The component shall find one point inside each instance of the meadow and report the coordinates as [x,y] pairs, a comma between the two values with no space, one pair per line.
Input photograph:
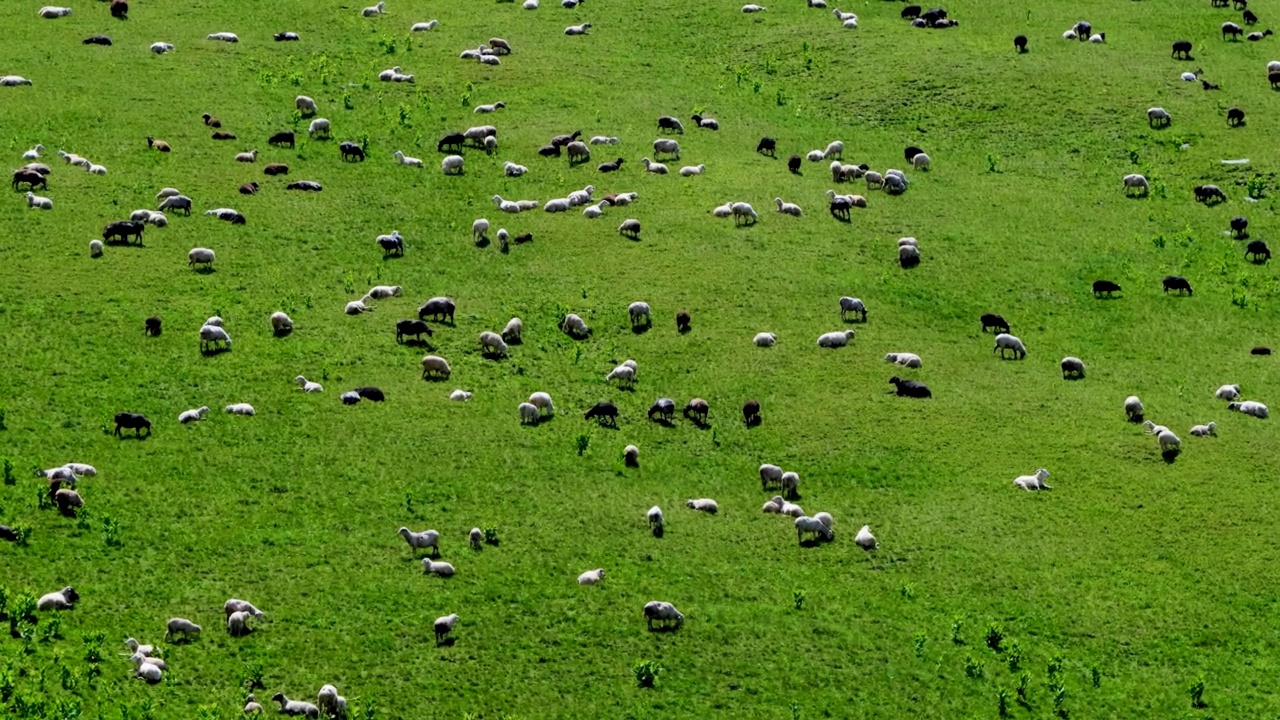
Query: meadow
[1133,583]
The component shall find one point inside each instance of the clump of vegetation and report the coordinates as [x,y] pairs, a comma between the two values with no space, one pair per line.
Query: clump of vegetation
[646,672]
[798,598]
[1196,691]
[995,636]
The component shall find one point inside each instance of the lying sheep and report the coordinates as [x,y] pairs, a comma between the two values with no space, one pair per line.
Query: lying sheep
[706,505]
[1250,407]
[765,339]
[439,569]
[307,386]
[298,707]
[836,339]
[908,360]
[1204,430]
[591,577]
[239,409]
[865,540]
[1228,392]
[64,599]
[195,415]
[1033,482]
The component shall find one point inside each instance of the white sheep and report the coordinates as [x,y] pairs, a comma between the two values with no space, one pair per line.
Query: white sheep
[460,395]
[581,197]
[160,48]
[1033,482]
[305,105]
[1228,393]
[690,170]
[1069,34]
[594,211]
[193,415]
[706,505]
[475,537]
[542,401]
[176,202]
[1133,408]
[836,339]
[656,168]
[181,625]
[826,519]
[1250,407]
[577,29]
[439,569]
[787,208]
[790,482]
[835,149]
[638,312]
[631,456]
[865,539]
[451,165]
[668,146]
[752,8]
[842,16]
[479,228]
[327,700]
[765,339]
[63,599]
[1204,430]
[491,343]
[908,360]
[381,292]
[511,169]
[851,23]
[1072,367]
[33,153]
[356,307]
[1098,38]
[223,37]
[591,577]
[148,671]
[575,325]
[655,517]
[663,612]
[406,160]
[211,335]
[351,397]
[771,507]
[421,540]
[852,305]
[789,509]
[436,366]
[37,202]
[307,386]
[318,127]
[603,140]
[815,156]
[625,198]
[444,625]
[167,193]
[238,624]
[1005,341]
[1153,429]
[239,409]
[200,256]
[624,374]
[296,707]
[1136,180]
[281,323]
[1168,442]
[921,161]
[514,331]
[744,213]
[95,248]
[1158,115]
[13,80]
[371,11]
[53,11]
[424,26]
[813,526]
[227,214]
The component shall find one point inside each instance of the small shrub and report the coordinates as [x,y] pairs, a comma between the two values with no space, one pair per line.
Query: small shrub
[957,624]
[50,629]
[347,102]
[1257,188]
[795,711]
[1014,658]
[111,532]
[991,164]
[67,678]
[1023,681]
[93,646]
[490,535]
[646,672]
[584,441]
[404,115]
[756,85]
[68,709]
[780,98]
[1095,676]
[921,639]
[1159,242]
[798,598]
[388,45]
[1196,691]
[1134,157]
[1059,702]
[6,686]
[1239,298]
[907,591]
[9,479]
[1054,668]
[995,636]
[252,677]
[1002,702]
[973,668]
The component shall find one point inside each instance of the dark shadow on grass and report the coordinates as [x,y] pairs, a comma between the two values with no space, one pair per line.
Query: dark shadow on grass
[658,531]
[662,421]
[417,343]
[1170,456]
[447,642]
[284,332]
[641,329]
[753,421]
[482,243]
[213,351]
[206,270]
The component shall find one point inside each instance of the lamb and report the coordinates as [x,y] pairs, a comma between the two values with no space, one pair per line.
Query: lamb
[624,374]
[814,527]
[181,625]
[852,305]
[631,228]
[194,415]
[13,80]
[765,339]
[1033,482]
[574,326]
[451,165]
[491,343]
[603,140]
[741,212]
[439,569]
[356,307]
[443,626]
[752,8]
[227,214]
[350,397]
[787,208]
[1158,116]
[511,169]
[95,248]
[200,256]
[1250,407]
[1169,443]
[1204,430]
[406,160]
[705,505]
[37,202]
[771,475]
[1228,392]
[33,153]
[1005,341]
[836,339]
[421,540]
[307,386]
[604,413]
[479,228]
[64,599]
[638,312]
[577,29]
[542,401]
[298,707]
[581,197]
[790,483]
[374,10]
[670,147]
[664,613]
[1072,368]
[654,167]
[424,26]
[1105,287]
[148,671]
[381,292]
[706,122]
[435,366]
[1133,408]
[691,170]
[211,335]
[835,149]
[318,127]
[815,156]
[239,409]
[223,37]
[908,360]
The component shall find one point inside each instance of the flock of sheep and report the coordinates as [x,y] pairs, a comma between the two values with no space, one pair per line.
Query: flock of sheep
[214,337]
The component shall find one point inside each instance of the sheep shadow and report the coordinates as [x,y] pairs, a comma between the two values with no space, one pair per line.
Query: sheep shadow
[417,343]
[910,263]
[283,332]
[214,351]
[811,543]
[206,270]
[664,629]
[483,243]
[1170,455]
[641,329]
[663,422]
[842,217]
[494,356]
[753,421]
[607,424]
[682,329]
[658,531]
[1073,378]
[700,424]
[1212,201]
[631,463]
[447,642]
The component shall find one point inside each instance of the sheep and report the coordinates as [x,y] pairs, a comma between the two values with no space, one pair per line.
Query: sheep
[378,9]
[148,671]
[790,483]
[664,408]
[1178,283]
[1205,193]
[752,8]
[696,410]
[298,707]
[63,599]
[1169,443]
[578,152]
[741,212]
[194,415]
[421,540]
[654,167]
[691,170]
[1183,48]
[765,339]
[356,307]
[770,475]
[529,413]
[211,335]
[577,29]
[424,26]
[812,526]
[787,208]
[381,292]
[226,214]
[438,308]
[835,149]
[664,613]
[1228,392]
[874,179]
[852,305]
[307,386]
[603,140]
[1098,38]
[36,202]
[655,518]
[239,409]
[638,312]
[451,165]
[542,401]
[439,569]
[443,626]
[842,16]
[305,105]
[1072,368]
[406,160]
[286,37]
[836,339]
[1204,430]
[492,344]
[223,37]
[908,360]
[349,398]
[33,153]
[1158,116]
[621,199]
[435,366]
[625,375]
[327,700]
[631,456]
[200,256]
[95,248]
[238,624]
[581,197]
[511,169]
[706,505]
[604,413]
[815,156]
[318,127]
[176,202]
[391,244]
[1250,407]
[1257,251]
[180,625]
[479,228]
[670,147]
[631,228]
[1033,482]
[1005,341]
[1232,29]
[706,123]
[252,706]
[1235,117]
[921,161]
[591,577]
[53,11]
[13,81]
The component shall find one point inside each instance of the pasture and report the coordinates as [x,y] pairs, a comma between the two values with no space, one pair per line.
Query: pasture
[1112,595]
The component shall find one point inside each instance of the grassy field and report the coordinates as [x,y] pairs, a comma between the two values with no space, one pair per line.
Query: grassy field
[1132,580]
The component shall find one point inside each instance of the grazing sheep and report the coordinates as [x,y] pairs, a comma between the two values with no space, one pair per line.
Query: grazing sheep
[1005,341]
[1232,29]
[771,476]
[151,326]
[238,624]
[908,360]
[319,127]
[696,410]
[640,314]
[865,540]
[1169,443]
[1257,251]
[814,527]
[575,326]
[67,501]
[852,305]
[604,412]
[298,707]
[95,248]
[181,625]
[392,244]
[765,339]
[437,308]
[1175,282]
[815,156]
[1205,193]
[513,331]
[1104,287]
[529,413]
[1158,116]
[406,160]
[492,344]
[1182,48]
[1033,482]
[443,626]
[1235,117]
[664,408]
[1133,408]
[1228,392]
[1260,350]
[836,339]
[664,145]
[200,256]
[176,202]
[1250,407]
[451,165]
[743,212]
[542,401]
[682,322]
[631,228]
[435,366]
[211,335]
[1204,430]
[995,322]
[664,613]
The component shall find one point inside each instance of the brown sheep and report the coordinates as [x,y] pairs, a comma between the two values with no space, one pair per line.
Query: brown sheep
[211,121]
[682,322]
[119,9]
[249,188]
[30,177]
[275,169]
[751,413]
[160,145]
[220,135]
[151,326]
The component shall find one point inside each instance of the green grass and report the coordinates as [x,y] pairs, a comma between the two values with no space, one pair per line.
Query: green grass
[1146,578]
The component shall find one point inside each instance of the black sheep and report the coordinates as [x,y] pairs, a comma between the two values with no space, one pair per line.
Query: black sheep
[411,327]
[910,388]
[151,326]
[1183,48]
[1175,282]
[682,322]
[751,413]
[1260,350]
[438,309]
[1101,287]
[1020,43]
[605,412]
[453,141]
[793,164]
[767,146]
[1239,226]
[664,408]
[910,12]
[1205,193]
[1235,117]
[610,166]
[281,138]
[97,40]
[132,421]
[995,322]
[370,393]
[1259,250]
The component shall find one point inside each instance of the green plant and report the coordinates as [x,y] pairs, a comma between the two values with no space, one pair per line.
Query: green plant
[1059,701]
[252,677]
[795,711]
[780,98]
[1054,668]
[403,113]
[957,625]
[973,668]
[93,646]
[6,686]
[490,535]
[583,442]
[347,102]
[798,598]
[1095,676]
[111,531]
[67,678]
[9,479]
[1002,702]
[995,636]
[920,641]
[1159,242]
[646,672]
[907,591]
[1257,187]
[1014,656]
[1196,691]
[1239,298]
[1024,680]
[50,629]
[991,163]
